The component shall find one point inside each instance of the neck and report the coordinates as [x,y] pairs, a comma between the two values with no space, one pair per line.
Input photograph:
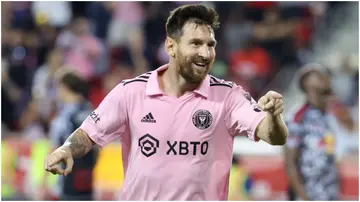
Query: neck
[173,84]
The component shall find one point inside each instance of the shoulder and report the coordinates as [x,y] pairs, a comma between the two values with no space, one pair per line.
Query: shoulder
[220,83]
[298,114]
[295,119]
[139,80]
[222,88]
[128,87]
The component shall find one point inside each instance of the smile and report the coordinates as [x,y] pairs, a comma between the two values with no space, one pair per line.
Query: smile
[200,64]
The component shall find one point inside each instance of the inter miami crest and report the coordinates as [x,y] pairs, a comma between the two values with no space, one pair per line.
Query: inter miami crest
[202,119]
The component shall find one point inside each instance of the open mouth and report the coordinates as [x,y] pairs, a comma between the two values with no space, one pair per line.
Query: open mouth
[199,64]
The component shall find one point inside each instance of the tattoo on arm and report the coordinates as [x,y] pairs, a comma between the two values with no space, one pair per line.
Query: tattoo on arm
[79,143]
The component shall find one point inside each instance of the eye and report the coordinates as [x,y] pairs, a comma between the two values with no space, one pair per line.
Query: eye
[196,43]
[211,45]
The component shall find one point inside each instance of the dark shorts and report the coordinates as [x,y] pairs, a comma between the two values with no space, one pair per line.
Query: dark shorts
[76,198]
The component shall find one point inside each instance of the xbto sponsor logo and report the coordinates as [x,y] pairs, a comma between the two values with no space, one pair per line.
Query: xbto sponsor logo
[183,148]
[149,145]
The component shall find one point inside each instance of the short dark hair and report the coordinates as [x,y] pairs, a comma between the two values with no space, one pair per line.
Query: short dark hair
[197,13]
[75,83]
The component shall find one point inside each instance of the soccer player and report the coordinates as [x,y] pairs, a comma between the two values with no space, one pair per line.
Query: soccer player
[310,151]
[73,94]
[177,123]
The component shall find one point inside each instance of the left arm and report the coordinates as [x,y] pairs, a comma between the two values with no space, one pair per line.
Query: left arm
[272,128]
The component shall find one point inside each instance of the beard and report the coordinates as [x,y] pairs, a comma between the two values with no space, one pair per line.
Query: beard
[189,71]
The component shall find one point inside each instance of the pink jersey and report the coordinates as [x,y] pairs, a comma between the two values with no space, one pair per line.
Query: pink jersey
[174,148]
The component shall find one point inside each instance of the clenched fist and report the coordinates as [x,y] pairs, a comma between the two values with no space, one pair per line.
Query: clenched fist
[53,161]
[272,103]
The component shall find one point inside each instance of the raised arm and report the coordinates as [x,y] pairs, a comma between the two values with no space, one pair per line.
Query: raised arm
[272,128]
[262,120]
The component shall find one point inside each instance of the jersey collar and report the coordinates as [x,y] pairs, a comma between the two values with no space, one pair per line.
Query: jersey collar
[152,86]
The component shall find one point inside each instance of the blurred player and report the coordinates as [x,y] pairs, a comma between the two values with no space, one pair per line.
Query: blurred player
[177,123]
[73,93]
[309,154]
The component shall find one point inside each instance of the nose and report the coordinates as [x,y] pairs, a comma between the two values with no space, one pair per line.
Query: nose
[204,52]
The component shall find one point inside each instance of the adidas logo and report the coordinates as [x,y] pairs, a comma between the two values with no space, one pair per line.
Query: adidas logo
[148,118]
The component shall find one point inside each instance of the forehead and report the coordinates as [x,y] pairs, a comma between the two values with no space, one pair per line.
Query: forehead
[318,81]
[193,30]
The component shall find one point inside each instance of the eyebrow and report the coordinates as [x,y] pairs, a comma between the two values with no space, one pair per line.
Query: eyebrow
[214,42]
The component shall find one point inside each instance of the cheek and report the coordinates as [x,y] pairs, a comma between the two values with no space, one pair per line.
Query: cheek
[213,53]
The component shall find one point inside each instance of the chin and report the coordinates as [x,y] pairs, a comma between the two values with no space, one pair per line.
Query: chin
[197,79]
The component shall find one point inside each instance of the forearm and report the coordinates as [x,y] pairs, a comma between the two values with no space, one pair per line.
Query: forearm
[276,131]
[78,143]
[296,183]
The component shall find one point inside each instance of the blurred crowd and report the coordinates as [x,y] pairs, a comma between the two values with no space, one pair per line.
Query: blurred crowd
[106,42]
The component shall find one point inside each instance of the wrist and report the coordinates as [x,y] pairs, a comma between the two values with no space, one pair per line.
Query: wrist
[66,149]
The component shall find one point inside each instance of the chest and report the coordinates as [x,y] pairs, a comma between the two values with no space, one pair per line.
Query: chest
[318,136]
[191,123]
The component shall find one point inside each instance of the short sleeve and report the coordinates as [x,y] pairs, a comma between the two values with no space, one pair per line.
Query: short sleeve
[295,132]
[242,114]
[109,120]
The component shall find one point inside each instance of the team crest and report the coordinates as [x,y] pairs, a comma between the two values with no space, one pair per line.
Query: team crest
[202,119]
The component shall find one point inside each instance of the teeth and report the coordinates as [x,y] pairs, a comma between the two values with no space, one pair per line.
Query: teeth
[200,64]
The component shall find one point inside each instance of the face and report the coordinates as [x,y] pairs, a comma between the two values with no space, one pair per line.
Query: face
[318,90]
[194,52]
[62,92]
[81,27]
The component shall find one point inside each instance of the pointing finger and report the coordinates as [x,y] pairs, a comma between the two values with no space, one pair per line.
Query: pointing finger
[54,159]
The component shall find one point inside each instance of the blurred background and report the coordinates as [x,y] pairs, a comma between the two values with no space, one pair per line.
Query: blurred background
[261,46]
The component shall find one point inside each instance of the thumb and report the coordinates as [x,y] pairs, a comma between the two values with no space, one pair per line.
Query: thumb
[69,164]
[52,160]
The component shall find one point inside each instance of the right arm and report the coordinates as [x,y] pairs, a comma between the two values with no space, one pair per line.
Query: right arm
[293,174]
[78,143]
[291,155]
[106,123]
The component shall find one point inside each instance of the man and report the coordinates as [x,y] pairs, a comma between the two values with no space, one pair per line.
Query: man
[177,123]
[309,153]
[73,93]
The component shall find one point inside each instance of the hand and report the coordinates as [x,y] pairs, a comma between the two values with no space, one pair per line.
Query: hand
[272,103]
[53,161]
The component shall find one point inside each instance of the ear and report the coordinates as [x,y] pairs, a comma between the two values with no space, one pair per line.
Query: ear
[170,46]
